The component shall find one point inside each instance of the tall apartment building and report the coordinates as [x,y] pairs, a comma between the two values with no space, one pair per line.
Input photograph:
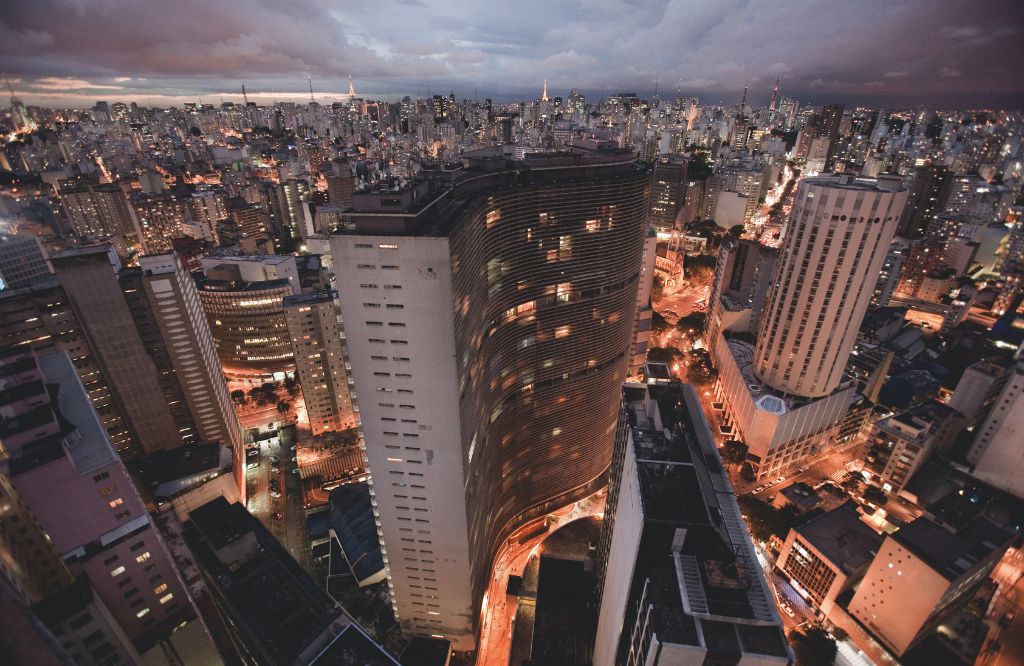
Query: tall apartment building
[67,472]
[22,262]
[644,311]
[320,360]
[668,191]
[488,317]
[996,456]
[785,394]
[98,211]
[160,217]
[839,232]
[41,318]
[679,579]
[174,303]
[90,281]
[340,185]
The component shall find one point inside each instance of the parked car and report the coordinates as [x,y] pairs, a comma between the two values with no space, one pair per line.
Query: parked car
[805,468]
[758,489]
[788,610]
[275,494]
[274,460]
[275,469]
[1006,620]
[780,479]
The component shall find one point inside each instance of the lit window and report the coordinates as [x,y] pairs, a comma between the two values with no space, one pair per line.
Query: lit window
[162,587]
[117,572]
[142,613]
[167,597]
[115,502]
[142,558]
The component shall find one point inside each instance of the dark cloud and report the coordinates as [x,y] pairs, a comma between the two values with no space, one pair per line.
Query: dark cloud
[958,52]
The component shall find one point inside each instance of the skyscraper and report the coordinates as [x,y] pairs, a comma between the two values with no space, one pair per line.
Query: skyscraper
[22,261]
[929,192]
[828,127]
[90,281]
[668,191]
[174,301]
[836,243]
[488,341]
[997,456]
[319,360]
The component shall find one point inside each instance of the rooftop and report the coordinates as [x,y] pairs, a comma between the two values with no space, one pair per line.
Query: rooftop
[842,537]
[952,553]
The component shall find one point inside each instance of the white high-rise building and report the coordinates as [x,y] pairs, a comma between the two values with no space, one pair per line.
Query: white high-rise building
[836,242]
[997,454]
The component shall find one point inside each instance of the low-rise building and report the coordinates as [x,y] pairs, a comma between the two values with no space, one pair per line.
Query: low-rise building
[899,444]
[828,554]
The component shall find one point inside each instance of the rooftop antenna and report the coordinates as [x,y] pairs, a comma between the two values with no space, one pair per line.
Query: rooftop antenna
[544,96]
[11,88]
[351,88]
[312,100]
[244,96]
[775,95]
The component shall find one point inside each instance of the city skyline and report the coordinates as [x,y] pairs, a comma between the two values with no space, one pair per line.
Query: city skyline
[161,55]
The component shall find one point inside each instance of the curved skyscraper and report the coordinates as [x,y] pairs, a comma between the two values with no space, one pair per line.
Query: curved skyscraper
[488,319]
[836,241]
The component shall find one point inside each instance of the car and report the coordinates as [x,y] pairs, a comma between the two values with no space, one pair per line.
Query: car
[274,460]
[295,470]
[805,468]
[1006,620]
[275,469]
[292,448]
[253,453]
[275,494]
[758,489]
[788,610]
[780,479]
[770,498]
[278,516]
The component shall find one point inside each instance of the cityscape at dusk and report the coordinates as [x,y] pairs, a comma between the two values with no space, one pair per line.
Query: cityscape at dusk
[437,333]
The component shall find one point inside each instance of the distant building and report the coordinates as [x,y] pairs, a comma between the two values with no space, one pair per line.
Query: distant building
[668,192]
[827,555]
[978,389]
[679,580]
[274,612]
[743,275]
[22,262]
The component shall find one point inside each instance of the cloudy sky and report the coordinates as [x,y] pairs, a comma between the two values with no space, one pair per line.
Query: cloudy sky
[160,52]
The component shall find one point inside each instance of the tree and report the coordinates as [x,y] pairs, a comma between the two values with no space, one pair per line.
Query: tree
[813,647]
[658,322]
[747,472]
[291,385]
[283,406]
[657,288]
[875,495]
[238,396]
[734,452]
[663,354]
[764,520]
[692,322]
[736,230]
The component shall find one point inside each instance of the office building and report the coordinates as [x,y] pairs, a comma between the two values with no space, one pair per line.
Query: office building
[247,322]
[255,267]
[67,472]
[22,262]
[340,185]
[160,217]
[996,456]
[487,350]
[828,555]
[273,611]
[320,361]
[174,304]
[89,279]
[892,267]
[921,575]
[644,311]
[840,231]
[680,582]
[827,128]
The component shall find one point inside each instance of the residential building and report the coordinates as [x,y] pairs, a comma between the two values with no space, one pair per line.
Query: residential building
[742,276]
[320,361]
[978,389]
[489,398]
